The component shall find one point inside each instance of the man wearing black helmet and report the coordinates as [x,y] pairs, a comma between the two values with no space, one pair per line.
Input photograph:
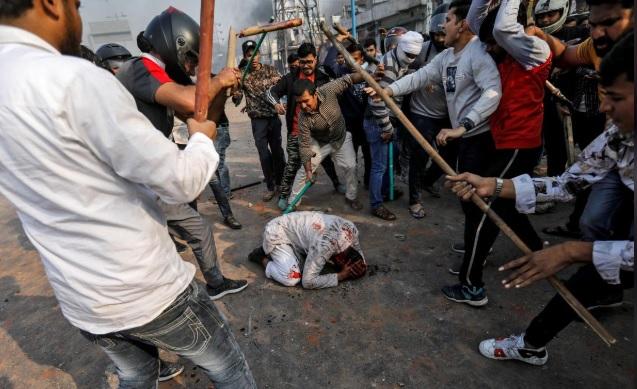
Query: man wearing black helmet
[113,56]
[159,80]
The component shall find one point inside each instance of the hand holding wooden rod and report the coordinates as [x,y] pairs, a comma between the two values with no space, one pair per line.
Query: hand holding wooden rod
[558,285]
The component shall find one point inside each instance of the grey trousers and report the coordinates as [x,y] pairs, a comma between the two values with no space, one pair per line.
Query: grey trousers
[187,224]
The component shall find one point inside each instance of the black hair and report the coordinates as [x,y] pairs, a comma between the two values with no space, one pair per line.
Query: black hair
[486,28]
[306,49]
[354,48]
[626,4]
[302,85]
[143,43]
[292,57]
[14,8]
[243,63]
[460,8]
[619,60]
[90,56]
[369,42]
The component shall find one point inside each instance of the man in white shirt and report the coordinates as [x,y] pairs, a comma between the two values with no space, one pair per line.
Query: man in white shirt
[84,184]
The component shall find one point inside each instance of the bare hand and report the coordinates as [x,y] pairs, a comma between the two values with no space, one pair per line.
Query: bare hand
[533,30]
[309,176]
[386,136]
[280,109]
[447,134]
[465,184]
[352,270]
[380,72]
[342,37]
[208,128]
[228,77]
[545,263]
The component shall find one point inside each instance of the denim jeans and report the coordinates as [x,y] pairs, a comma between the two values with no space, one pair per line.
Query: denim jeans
[379,173]
[190,327]
[608,214]
[221,144]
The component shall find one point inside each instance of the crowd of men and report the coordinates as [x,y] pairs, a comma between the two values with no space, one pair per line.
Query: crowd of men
[107,192]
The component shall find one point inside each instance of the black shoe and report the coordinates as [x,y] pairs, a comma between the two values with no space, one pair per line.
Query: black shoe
[354,204]
[257,255]
[181,248]
[169,370]
[474,296]
[231,222]
[229,286]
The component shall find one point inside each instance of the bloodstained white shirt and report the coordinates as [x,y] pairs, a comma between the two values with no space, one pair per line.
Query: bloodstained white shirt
[83,169]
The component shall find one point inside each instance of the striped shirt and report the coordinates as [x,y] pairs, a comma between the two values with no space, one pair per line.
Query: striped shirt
[327,124]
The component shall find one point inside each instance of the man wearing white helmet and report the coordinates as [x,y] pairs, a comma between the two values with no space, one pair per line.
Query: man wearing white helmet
[378,125]
[550,15]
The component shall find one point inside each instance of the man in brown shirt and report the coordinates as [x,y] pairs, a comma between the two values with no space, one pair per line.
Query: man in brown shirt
[266,125]
[322,133]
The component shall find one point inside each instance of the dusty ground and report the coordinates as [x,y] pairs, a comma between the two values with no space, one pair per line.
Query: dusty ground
[390,329]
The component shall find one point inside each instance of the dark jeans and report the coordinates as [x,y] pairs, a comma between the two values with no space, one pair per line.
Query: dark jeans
[220,196]
[359,140]
[187,224]
[294,164]
[192,328]
[267,138]
[589,289]
[379,175]
[428,128]
[222,142]
[480,232]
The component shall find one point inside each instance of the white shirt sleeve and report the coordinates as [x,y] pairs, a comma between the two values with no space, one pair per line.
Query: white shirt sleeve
[120,136]
[609,257]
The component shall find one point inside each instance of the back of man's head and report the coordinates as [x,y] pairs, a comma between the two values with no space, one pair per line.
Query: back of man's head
[301,86]
[11,9]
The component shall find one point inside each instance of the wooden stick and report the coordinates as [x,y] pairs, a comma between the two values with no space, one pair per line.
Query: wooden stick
[231,60]
[255,30]
[205,59]
[558,285]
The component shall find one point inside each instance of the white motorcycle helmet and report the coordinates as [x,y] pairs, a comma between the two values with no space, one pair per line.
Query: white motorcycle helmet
[544,6]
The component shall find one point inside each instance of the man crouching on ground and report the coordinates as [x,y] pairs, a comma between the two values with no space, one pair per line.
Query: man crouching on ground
[309,240]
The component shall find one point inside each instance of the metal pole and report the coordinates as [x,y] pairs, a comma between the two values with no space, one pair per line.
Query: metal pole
[354,33]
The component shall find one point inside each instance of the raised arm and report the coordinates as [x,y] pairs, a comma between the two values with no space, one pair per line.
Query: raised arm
[528,50]
[428,74]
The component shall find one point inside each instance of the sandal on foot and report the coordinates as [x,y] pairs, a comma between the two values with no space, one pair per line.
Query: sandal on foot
[417,211]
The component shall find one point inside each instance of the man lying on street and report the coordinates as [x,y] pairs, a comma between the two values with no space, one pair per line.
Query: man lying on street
[322,133]
[308,240]
[84,177]
[607,165]
[524,63]
[159,80]
[308,70]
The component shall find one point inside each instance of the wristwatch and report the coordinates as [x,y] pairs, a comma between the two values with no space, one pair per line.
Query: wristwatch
[467,124]
[499,183]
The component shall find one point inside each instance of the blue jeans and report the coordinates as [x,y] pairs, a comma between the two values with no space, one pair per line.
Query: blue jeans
[221,144]
[379,173]
[609,211]
[192,328]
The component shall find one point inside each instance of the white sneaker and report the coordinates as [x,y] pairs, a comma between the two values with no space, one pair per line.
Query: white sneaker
[513,347]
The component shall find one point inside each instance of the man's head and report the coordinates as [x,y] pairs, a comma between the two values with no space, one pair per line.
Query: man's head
[370,47]
[58,22]
[340,59]
[173,36]
[409,46]
[248,48]
[113,56]
[307,58]
[392,37]
[456,24]
[550,15]
[293,61]
[357,52]
[617,77]
[608,21]
[436,27]
[305,93]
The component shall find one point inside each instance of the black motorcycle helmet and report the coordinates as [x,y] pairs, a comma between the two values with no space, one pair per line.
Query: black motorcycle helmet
[175,37]
[113,51]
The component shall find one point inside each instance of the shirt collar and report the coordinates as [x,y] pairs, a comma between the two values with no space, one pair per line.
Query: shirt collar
[10,34]
[154,59]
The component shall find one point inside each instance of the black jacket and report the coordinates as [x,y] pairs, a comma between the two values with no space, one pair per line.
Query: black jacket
[284,88]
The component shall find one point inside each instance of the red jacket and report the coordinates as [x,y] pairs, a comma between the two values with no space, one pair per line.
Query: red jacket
[517,123]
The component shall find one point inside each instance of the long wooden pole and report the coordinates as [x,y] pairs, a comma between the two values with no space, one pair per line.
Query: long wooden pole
[255,30]
[558,285]
[205,59]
